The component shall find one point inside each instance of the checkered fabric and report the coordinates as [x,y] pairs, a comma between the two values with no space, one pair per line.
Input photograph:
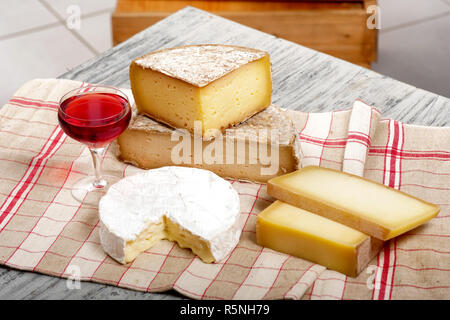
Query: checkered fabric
[43,229]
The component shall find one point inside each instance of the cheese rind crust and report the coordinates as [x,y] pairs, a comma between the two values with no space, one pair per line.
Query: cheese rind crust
[147,144]
[193,207]
[359,203]
[285,228]
[199,65]
[218,85]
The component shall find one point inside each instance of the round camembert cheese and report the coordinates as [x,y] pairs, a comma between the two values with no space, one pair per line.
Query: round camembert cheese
[194,207]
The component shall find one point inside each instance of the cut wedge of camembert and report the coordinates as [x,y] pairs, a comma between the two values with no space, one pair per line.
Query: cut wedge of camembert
[194,207]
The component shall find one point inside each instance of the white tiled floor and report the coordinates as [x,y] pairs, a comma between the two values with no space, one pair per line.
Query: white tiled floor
[97,31]
[414,43]
[35,42]
[42,54]
[396,13]
[32,14]
[86,6]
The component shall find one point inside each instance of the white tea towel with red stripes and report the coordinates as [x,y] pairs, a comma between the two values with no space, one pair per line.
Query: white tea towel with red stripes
[43,229]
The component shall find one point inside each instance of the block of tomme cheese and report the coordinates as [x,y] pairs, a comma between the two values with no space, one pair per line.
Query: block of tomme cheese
[286,228]
[258,149]
[359,203]
[194,207]
[217,85]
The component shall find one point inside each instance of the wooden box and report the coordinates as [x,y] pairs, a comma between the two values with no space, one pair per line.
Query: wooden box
[338,28]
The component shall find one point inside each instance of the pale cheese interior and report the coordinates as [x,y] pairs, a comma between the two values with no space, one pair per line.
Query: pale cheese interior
[222,103]
[165,98]
[169,230]
[285,228]
[236,96]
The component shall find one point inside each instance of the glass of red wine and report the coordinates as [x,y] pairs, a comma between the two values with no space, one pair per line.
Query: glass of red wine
[94,116]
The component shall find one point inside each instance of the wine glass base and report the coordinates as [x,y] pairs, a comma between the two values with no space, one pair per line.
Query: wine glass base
[87,191]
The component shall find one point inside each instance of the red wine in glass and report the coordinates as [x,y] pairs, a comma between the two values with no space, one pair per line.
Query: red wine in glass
[94,116]
[94,119]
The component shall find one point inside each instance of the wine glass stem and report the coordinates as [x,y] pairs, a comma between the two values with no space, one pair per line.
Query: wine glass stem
[97,154]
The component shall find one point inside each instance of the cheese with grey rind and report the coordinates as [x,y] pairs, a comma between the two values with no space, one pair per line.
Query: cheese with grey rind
[194,207]
[199,65]
[216,85]
[147,144]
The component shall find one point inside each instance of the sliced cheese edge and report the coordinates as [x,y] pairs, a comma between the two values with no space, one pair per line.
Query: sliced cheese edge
[359,203]
[289,229]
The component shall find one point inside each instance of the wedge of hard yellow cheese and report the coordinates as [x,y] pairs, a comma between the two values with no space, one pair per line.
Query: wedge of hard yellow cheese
[364,205]
[217,85]
[286,228]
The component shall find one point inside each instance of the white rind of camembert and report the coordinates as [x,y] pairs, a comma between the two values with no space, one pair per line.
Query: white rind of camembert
[194,207]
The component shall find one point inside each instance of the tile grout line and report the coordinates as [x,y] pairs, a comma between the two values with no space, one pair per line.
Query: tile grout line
[29,31]
[415,22]
[74,33]
[51,25]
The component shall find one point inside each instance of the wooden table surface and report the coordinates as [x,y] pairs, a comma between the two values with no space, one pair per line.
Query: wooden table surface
[303,79]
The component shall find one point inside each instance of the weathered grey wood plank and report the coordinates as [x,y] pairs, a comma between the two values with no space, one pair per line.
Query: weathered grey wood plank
[303,79]
[26,285]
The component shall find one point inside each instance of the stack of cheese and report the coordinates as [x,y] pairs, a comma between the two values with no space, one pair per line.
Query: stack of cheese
[336,219]
[208,106]
[201,106]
